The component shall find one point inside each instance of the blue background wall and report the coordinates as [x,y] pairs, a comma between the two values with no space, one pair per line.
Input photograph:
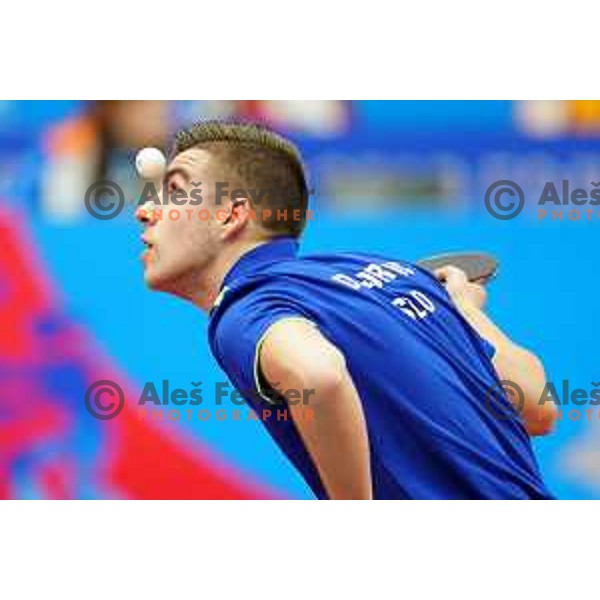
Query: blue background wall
[545,296]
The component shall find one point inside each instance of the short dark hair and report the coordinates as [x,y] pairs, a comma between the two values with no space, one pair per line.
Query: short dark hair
[258,159]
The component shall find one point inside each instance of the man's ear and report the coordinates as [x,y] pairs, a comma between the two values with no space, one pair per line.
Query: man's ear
[239,214]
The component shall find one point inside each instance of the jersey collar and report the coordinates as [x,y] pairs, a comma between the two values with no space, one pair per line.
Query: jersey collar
[279,249]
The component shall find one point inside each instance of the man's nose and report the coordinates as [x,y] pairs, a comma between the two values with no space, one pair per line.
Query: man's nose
[145,213]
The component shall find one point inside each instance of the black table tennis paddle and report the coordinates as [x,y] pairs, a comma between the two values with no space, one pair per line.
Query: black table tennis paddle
[479,267]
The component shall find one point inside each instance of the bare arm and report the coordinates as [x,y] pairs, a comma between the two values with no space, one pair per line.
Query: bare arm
[294,355]
[511,361]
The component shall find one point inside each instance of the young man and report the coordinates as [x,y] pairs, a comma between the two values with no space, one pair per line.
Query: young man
[398,365]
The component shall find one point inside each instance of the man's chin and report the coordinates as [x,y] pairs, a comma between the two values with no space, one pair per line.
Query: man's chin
[160,282]
[155,281]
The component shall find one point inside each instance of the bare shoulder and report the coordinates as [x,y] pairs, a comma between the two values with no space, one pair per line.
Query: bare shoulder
[296,346]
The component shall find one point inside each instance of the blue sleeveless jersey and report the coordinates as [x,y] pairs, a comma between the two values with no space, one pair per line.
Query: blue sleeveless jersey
[422,372]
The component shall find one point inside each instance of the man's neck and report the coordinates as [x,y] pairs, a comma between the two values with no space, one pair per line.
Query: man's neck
[205,290]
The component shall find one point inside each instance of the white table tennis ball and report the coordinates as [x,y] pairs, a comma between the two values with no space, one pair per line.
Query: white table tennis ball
[150,163]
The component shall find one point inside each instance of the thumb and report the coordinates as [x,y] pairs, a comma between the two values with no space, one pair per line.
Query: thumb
[451,276]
